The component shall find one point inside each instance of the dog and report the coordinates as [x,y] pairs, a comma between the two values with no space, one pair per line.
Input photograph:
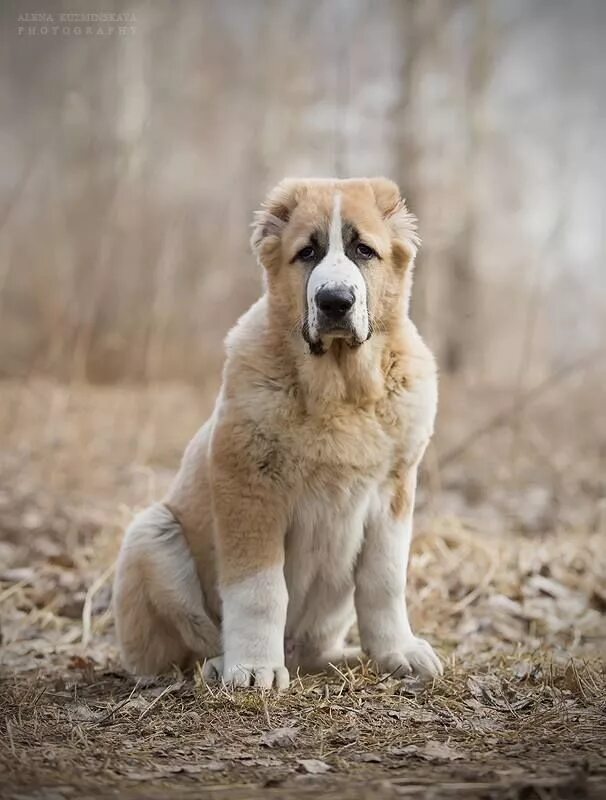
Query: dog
[292,511]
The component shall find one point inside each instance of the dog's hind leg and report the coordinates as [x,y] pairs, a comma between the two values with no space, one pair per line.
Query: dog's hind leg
[159,609]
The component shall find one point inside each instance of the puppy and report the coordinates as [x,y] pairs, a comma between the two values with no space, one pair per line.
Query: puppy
[292,511]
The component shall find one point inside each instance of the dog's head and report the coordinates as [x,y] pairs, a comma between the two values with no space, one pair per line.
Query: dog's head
[338,257]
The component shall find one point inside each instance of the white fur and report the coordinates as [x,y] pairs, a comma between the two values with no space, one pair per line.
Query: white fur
[385,632]
[335,271]
[322,546]
[254,617]
[335,546]
[339,547]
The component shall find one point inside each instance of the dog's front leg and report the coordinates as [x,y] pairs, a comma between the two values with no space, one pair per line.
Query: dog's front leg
[250,523]
[380,593]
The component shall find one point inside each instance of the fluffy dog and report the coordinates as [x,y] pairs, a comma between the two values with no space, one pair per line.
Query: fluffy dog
[292,510]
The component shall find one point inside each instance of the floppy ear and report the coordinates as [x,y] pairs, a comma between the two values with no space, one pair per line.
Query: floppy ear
[270,220]
[401,222]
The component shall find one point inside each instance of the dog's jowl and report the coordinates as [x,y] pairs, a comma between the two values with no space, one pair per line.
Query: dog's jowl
[291,514]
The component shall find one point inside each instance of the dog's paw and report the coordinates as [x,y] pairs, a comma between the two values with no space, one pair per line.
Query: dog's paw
[212,669]
[415,656]
[262,676]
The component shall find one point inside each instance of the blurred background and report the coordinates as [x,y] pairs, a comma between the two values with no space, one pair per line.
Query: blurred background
[133,155]
[136,140]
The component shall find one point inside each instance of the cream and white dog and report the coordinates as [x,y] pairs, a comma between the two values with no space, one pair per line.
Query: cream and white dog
[292,510]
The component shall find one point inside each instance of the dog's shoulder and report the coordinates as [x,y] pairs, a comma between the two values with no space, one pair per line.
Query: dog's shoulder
[257,375]
[409,405]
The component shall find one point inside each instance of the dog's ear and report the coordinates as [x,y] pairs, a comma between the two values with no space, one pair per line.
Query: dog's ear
[271,219]
[401,222]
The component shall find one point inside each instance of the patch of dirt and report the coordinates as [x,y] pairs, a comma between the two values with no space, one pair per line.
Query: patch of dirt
[516,611]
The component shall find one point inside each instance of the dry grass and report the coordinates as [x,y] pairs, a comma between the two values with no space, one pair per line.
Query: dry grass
[509,585]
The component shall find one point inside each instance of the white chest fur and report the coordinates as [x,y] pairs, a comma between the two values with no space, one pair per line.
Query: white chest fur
[322,545]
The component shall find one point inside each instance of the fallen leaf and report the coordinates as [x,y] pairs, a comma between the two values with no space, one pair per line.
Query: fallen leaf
[413,714]
[489,691]
[313,766]
[188,769]
[432,751]
[279,737]
[439,751]
[373,758]
[269,761]
[83,713]
[409,750]
[214,766]
[80,662]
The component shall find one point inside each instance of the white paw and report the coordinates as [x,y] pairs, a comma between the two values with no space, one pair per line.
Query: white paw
[415,656]
[261,676]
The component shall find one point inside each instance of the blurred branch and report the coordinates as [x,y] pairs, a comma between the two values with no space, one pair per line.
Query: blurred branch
[524,400]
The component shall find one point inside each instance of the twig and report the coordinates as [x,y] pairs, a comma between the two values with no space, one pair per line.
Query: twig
[88,603]
[503,417]
[11,590]
[120,705]
[167,690]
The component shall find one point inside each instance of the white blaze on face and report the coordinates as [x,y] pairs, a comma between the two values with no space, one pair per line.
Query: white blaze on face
[336,271]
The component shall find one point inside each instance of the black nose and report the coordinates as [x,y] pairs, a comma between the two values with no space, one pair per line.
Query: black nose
[335,303]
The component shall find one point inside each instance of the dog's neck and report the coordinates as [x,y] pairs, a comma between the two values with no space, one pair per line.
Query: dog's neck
[343,374]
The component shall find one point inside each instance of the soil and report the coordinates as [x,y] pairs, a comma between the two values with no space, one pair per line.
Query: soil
[507,580]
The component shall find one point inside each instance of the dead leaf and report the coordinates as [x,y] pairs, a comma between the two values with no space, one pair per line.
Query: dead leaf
[62,560]
[71,609]
[166,772]
[214,766]
[409,750]
[84,713]
[373,758]
[269,761]
[279,737]
[80,662]
[440,751]
[489,691]
[413,714]
[432,751]
[313,766]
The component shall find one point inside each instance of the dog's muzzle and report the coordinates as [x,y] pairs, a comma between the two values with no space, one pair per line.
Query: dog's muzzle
[337,304]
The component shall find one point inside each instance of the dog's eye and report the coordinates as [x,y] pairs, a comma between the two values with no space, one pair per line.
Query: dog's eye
[364,251]
[307,253]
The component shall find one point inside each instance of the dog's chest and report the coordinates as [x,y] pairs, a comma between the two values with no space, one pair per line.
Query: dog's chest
[340,449]
[323,540]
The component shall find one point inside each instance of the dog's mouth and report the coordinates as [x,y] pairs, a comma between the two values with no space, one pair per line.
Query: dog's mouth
[327,333]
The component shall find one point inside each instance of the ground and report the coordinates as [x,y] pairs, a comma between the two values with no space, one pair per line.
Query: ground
[507,581]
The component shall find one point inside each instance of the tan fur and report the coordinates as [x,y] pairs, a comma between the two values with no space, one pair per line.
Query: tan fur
[290,428]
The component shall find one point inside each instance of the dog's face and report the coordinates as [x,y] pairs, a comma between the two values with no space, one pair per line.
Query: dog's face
[338,257]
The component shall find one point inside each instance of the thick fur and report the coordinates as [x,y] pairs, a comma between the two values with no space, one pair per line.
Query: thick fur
[292,510]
